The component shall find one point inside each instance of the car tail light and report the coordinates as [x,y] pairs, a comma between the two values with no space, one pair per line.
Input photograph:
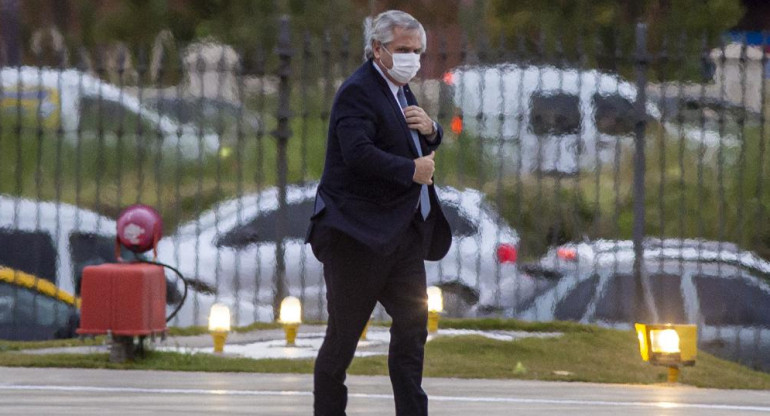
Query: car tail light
[506,253]
[564,253]
[449,78]
[457,124]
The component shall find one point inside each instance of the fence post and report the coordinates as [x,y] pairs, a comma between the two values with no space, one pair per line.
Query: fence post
[10,16]
[641,312]
[282,133]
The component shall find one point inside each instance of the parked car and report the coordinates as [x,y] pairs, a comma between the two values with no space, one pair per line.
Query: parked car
[32,308]
[233,247]
[85,106]
[716,285]
[54,242]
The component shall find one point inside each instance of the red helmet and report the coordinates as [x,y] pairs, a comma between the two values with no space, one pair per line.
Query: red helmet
[139,228]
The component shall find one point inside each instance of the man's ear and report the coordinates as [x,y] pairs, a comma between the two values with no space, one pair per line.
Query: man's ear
[376,45]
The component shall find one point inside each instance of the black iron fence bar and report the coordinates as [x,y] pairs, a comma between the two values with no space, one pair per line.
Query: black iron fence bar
[741,137]
[759,217]
[141,143]
[260,70]
[238,156]
[640,108]
[282,135]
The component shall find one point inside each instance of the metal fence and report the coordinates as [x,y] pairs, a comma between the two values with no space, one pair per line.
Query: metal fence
[550,157]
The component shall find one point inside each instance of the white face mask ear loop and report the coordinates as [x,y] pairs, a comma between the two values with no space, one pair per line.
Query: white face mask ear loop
[392,61]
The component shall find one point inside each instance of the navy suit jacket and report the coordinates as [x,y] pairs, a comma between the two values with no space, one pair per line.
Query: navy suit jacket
[366,190]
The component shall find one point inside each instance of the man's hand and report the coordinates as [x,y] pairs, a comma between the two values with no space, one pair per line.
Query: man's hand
[423,169]
[417,119]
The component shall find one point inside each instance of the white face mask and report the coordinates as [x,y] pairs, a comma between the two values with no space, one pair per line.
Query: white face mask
[405,66]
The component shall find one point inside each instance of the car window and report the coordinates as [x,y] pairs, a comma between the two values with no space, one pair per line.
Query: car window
[460,225]
[557,114]
[732,301]
[619,298]
[264,228]
[574,305]
[110,116]
[31,252]
[613,114]
[88,249]
[7,303]
[22,306]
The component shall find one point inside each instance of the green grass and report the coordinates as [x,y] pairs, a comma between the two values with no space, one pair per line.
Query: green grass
[30,345]
[582,353]
[604,356]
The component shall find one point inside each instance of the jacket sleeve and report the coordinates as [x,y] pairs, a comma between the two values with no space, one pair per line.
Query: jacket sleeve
[356,127]
[436,140]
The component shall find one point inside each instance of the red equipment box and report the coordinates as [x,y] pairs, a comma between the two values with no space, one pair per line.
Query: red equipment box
[123,298]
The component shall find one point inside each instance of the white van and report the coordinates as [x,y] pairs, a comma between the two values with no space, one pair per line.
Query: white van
[82,104]
[543,118]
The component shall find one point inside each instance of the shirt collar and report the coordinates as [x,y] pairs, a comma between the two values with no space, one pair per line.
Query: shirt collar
[393,87]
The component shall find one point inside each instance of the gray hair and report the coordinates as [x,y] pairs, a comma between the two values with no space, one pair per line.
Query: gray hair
[381,29]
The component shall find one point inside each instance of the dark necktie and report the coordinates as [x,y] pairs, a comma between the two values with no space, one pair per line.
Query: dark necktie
[424,198]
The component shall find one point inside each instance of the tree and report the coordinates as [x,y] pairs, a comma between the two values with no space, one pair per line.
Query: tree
[603,30]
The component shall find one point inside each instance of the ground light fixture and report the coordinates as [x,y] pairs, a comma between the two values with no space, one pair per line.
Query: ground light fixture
[219,325]
[435,307]
[668,345]
[290,317]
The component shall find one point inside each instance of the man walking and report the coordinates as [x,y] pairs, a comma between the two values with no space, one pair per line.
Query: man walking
[377,216]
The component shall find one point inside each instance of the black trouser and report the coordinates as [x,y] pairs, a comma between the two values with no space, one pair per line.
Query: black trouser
[356,279]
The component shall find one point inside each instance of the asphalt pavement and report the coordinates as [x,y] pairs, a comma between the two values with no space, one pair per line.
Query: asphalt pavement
[30,391]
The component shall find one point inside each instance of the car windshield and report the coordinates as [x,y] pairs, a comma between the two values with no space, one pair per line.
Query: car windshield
[460,225]
[214,115]
[264,228]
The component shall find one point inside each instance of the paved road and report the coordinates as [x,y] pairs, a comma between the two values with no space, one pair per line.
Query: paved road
[25,391]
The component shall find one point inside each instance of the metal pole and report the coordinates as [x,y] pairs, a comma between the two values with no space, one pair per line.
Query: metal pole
[640,310]
[10,30]
[282,134]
